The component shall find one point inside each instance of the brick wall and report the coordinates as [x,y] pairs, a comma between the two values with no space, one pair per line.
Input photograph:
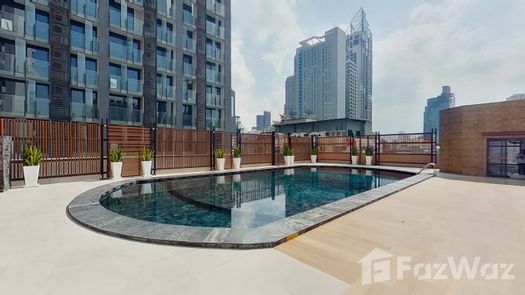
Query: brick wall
[464,132]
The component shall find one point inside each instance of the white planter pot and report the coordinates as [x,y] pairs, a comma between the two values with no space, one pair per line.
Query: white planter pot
[116,170]
[354,160]
[219,164]
[146,168]
[288,160]
[236,163]
[313,158]
[31,175]
[368,160]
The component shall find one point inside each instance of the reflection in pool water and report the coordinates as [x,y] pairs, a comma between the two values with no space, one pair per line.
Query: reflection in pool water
[245,200]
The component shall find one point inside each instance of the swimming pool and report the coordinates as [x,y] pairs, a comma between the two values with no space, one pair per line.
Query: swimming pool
[244,200]
[251,209]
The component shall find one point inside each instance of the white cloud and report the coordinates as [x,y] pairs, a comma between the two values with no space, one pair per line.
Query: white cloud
[439,47]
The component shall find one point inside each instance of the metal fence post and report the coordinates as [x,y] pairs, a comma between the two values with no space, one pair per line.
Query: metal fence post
[289,140]
[153,144]
[377,148]
[273,148]
[104,150]
[212,149]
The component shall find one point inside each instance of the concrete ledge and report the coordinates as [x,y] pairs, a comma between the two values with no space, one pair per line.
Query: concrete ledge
[87,211]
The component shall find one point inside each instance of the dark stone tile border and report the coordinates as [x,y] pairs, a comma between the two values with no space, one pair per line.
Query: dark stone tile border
[87,211]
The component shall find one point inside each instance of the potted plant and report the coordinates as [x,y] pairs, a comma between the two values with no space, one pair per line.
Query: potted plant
[146,155]
[355,155]
[313,154]
[288,155]
[31,157]
[115,157]
[237,157]
[369,152]
[220,155]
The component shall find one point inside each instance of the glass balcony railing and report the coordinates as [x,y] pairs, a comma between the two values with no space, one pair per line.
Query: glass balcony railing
[12,105]
[36,68]
[213,123]
[214,30]
[190,44]
[163,63]
[12,23]
[165,9]
[125,115]
[134,86]
[134,25]
[189,69]
[75,80]
[213,76]
[115,83]
[91,78]
[84,113]
[213,100]
[84,8]
[40,31]
[164,118]
[41,2]
[214,53]
[188,18]
[135,56]
[37,108]
[7,63]
[138,2]
[215,7]
[165,35]
[117,51]
[188,120]
[165,91]
[190,96]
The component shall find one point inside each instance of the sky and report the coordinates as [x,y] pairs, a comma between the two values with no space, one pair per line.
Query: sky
[475,46]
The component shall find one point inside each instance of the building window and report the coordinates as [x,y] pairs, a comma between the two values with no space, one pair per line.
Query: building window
[42,25]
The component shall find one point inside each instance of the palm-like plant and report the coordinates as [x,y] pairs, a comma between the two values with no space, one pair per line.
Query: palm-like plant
[220,153]
[116,154]
[237,152]
[146,154]
[31,155]
[369,151]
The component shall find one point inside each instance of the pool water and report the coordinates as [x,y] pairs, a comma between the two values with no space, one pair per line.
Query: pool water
[244,200]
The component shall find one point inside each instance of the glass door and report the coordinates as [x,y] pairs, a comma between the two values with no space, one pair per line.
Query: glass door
[506,157]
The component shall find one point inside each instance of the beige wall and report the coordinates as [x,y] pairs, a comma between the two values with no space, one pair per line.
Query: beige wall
[464,132]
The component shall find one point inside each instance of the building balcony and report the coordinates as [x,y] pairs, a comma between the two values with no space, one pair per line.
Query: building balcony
[91,78]
[41,2]
[214,30]
[90,47]
[84,8]
[214,76]
[167,92]
[115,83]
[164,9]
[190,97]
[7,63]
[38,108]
[215,7]
[134,25]
[166,119]
[122,53]
[83,113]
[189,69]
[188,18]
[164,64]
[36,68]
[134,86]
[122,115]
[190,44]
[188,120]
[12,105]
[214,100]
[213,123]
[138,2]
[165,36]
[39,32]
[12,24]
[215,54]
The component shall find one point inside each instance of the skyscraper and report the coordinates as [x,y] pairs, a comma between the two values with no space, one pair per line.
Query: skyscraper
[135,62]
[264,121]
[435,105]
[333,75]
[359,63]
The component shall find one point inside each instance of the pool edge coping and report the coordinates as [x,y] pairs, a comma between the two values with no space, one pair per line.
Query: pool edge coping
[86,210]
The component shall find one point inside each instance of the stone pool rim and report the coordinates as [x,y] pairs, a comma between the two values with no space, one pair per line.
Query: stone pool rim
[87,211]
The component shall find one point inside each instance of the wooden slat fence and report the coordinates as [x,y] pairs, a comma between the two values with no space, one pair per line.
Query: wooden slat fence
[131,140]
[69,149]
[302,147]
[256,149]
[182,148]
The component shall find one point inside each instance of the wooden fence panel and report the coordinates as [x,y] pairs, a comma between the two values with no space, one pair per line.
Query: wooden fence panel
[68,148]
[182,148]
[280,141]
[256,148]
[131,139]
[301,147]
[335,149]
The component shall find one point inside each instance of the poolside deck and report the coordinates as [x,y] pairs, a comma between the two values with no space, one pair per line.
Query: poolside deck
[43,252]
